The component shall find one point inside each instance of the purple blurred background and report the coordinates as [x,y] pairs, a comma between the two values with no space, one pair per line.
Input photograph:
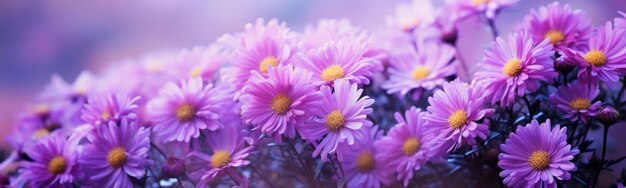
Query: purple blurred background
[39,38]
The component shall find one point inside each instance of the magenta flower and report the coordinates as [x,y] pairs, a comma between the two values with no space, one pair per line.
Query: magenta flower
[620,23]
[534,156]
[566,28]
[229,150]
[261,46]
[278,102]
[116,153]
[329,30]
[407,145]
[340,117]
[101,109]
[181,111]
[604,59]
[489,8]
[455,113]
[410,16]
[426,69]
[344,59]
[53,163]
[199,61]
[360,164]
[515,66]
[576,100]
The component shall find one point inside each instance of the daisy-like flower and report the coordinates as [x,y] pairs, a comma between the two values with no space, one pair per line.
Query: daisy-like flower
[426,69]
[341,117]
[117,153]
[344,59]
[515,66]
[577,100]
[53,163]
[489,8]
[59,89]
[410,16]
[278,102]
[455,113]
[407,146]
[328,30]
[360,164]
[605,57]
[535,155]
[262,46]
[620,23]
[100,109]
[566,28]
[229,150]
[181,111]
[199,61]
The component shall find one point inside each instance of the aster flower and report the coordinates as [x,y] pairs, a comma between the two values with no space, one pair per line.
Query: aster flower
[534,156]
[343,59]
[407,145]
[409,16]
[59,89]
[341,117]
[426,69]
[620,23]
[515,66]
[116,154]
[489,8]
[262,46]
[100,109]
[53,163]
[278,102]
[603,59]
[229,150]
[565,27]
[199,61]
[455,113]
[360,164]
[181,111]
[576,100]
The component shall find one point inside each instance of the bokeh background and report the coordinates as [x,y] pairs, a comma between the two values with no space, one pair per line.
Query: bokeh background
[39,38]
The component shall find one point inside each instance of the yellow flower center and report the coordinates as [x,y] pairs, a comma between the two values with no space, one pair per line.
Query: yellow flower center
[539,160]
[365,161]
[555,36]
[267,61]
[513,67]
[411,146]
[457,119]
[106,114]
[281,104]
[57,165]
[117,157]
[220,159]
[41,133]
[478,2]
[197,71]
[420,72]
[335,120]
[333,72]
[185,112]
[410,24]
[595,58]
[580,103]
[41,109]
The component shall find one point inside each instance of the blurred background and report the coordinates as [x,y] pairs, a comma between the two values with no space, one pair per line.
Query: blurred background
[39,38]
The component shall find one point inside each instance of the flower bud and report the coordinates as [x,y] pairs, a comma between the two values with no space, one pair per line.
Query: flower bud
[173,168]
[608,115]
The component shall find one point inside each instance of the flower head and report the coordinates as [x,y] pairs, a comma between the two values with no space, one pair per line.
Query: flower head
[407,145]
[489,8]
[61,90]
[536,155]
[53,163]
[182,111]
[278,102]
[577,100]
[340,117]
[410,16]
[620,23]
[115,154]
[566,28]
[515,66]
[100,109]
[362,167]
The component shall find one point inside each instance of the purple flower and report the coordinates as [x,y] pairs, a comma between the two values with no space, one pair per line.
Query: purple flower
[360,164]
[426,69]
[534,156]
[115,153]
[199,61]
[576,100]
[229,150]
[53,163]
[101,109]
[620,23]
[604,59]
[407,146]
[278,102]
[455,114]
[181,111]
[340,118]
[515,66]
[262,46]
[410,16]
[343,59]
[489,8]
[566,28]
[61,90]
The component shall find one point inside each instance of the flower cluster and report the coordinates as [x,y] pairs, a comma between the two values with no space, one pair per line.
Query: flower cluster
[335,105]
